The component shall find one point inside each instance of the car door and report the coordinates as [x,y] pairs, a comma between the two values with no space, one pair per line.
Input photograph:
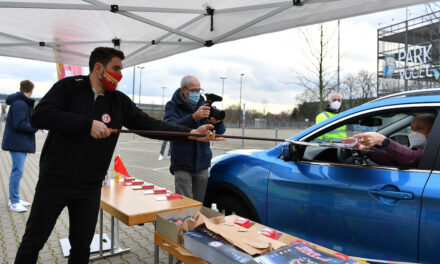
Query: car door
[430,214]
[362,210]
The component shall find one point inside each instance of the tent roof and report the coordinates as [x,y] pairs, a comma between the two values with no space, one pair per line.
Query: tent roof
[67,31]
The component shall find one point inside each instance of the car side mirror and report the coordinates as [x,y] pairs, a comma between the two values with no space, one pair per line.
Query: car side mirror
[289,152]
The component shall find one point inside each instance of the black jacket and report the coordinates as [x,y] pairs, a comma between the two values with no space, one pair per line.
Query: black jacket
[19,135]
[192,156]
[70,156]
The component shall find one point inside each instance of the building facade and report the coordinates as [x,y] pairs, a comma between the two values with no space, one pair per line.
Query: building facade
[408,55]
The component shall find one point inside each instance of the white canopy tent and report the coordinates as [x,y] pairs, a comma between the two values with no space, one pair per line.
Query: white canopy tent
[67,31]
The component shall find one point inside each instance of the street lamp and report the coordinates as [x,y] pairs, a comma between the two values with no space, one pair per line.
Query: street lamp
[140,83]
[223,90]
[239,107]
[163,100]
[134,78]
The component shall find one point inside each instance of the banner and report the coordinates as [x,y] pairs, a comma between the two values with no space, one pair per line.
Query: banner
[68,70]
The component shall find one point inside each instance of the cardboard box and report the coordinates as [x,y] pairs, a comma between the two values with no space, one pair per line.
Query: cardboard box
[302,253]
[213,248]
[173,231]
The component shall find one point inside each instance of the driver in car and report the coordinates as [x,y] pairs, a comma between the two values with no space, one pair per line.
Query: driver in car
[385,151]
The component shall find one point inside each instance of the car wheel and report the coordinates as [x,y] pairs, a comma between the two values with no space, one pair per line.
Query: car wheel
[232,204]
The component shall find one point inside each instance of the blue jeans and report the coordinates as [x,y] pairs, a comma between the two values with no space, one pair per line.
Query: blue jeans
[18,159]
[162,148]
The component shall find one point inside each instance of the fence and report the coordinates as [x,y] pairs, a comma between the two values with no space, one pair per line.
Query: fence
[273,124]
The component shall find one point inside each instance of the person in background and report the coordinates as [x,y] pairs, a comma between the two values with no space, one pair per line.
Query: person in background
[78,112]
[385,151]
[332,109]
[162,150]
[19,140]
[1,116]
[190,160]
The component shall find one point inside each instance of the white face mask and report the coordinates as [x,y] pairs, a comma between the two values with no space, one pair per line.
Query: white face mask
[335,105]
[416,139]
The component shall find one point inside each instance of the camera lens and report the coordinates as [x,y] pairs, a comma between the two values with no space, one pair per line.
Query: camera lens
[217,114]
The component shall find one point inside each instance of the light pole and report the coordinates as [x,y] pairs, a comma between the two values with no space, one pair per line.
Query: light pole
[134,78]
[163,100]
[140,83]
[239,106]
[339,85]
[223,90]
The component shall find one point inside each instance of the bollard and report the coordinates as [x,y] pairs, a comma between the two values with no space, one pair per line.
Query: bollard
[242,134]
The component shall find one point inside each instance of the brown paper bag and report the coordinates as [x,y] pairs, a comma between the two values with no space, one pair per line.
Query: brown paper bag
[198,221]
[251,242]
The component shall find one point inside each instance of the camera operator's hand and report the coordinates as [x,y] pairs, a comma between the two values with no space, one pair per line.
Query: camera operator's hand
[213,121]
[202,112]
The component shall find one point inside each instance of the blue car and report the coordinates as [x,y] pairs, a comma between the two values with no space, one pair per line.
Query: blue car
[339,198]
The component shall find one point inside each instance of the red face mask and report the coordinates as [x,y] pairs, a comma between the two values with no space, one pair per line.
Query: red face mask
[110,80]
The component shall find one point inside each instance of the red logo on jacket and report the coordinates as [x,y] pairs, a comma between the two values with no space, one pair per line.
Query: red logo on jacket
[106,118]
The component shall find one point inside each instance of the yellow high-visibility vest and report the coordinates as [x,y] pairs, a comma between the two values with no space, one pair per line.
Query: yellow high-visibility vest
[339,132]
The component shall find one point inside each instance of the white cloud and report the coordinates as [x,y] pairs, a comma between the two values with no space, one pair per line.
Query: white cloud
[8,86]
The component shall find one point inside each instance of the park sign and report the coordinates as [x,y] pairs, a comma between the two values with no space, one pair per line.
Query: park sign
[418,63]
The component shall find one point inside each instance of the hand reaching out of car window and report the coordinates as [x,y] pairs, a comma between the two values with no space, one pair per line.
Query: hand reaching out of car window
[365,141]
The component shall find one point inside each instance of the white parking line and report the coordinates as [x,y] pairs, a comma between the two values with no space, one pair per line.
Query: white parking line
[145,168]
[160,169]
[141,150]
[225,147]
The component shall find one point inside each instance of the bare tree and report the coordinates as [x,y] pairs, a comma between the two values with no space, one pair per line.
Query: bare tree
[349,88]
[319,79]
[367,83]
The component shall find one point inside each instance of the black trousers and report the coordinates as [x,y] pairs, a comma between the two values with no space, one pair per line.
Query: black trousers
[49,201]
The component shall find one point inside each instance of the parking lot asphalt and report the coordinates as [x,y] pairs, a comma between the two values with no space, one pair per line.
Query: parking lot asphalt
[139,155]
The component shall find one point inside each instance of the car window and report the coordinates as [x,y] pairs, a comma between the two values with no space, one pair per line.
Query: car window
[394,125]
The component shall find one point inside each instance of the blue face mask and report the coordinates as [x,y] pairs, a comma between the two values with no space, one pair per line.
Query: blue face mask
[194,97]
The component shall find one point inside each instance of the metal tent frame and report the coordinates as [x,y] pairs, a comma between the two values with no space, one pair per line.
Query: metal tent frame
[147,30]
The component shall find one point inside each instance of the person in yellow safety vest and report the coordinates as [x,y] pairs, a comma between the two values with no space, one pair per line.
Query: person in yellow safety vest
[332,109]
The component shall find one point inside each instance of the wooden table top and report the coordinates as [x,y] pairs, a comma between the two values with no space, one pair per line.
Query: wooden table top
[176,249]
[133,207]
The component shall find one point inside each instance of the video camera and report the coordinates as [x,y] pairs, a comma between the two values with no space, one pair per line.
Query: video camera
[210,99]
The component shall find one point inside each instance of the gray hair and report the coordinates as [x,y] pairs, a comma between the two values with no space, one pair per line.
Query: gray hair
[186,80]
[332,94]
[430,118]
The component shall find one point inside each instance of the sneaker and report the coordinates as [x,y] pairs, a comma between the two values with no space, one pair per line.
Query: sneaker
[17,207]
[160,157]
[24,203]
[168,157]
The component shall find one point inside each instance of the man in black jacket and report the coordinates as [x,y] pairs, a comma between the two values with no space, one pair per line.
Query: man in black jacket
[78,111]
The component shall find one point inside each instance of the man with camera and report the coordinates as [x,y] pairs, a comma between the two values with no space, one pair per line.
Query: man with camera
[190,160]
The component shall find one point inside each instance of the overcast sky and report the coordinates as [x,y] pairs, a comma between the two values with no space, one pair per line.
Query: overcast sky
[269,63]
